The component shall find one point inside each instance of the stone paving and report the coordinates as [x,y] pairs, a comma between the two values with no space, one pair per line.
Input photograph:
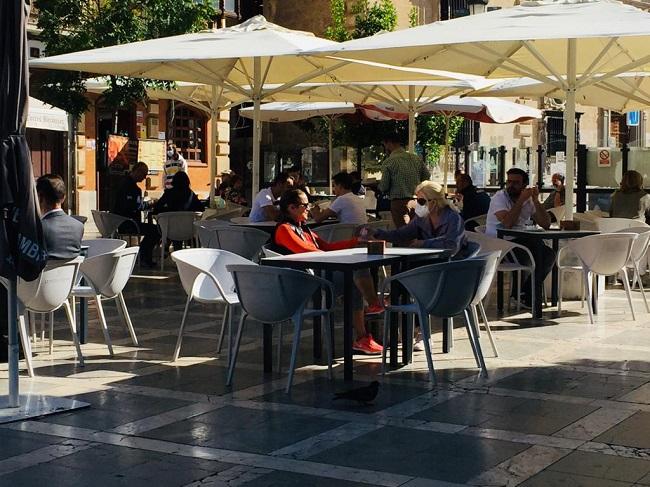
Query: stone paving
[566,403]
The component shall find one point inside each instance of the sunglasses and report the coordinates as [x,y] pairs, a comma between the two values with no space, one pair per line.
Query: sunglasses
[422,201]
[303,205]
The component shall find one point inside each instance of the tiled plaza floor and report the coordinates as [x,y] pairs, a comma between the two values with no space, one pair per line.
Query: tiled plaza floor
[566,403]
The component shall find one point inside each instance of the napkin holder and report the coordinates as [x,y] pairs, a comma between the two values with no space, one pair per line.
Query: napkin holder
[570,225]
[376,247]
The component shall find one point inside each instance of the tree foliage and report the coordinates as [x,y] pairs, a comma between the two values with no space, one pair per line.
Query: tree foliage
[358,132]
[77,25]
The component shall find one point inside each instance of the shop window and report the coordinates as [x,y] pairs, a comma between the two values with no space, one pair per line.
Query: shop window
[189,134]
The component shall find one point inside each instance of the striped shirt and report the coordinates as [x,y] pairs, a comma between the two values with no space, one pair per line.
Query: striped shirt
[401,172]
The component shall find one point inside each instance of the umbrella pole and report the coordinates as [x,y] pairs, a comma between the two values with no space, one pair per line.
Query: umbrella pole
[12,308]
[570,128]
[257,129]
[214,138]
[330,155]
[412,119]
[444,161]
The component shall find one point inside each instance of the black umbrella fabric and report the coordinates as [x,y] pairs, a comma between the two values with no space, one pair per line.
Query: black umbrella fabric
[22,253]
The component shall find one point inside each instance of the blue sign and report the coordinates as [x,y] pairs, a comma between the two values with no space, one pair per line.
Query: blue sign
[633,119]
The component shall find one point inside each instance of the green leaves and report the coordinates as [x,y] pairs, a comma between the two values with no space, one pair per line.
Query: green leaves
[77,25]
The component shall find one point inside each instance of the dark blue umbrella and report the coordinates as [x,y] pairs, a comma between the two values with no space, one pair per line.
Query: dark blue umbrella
[22,254]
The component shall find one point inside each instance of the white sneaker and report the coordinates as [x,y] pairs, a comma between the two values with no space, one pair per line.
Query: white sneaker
[418,344]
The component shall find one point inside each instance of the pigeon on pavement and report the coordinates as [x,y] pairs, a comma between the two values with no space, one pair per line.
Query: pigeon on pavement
[363,395]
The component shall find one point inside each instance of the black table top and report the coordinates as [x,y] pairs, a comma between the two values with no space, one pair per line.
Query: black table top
[349,259]
[545,234]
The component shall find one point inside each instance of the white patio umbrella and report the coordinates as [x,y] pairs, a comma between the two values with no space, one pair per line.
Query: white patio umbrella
[242,59]
[571,44]
[486,110]
[623,93]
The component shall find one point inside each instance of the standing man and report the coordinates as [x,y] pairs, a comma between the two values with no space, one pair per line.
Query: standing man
[401,172]
[513,207]
[129,203]
[62,234]
[175,162]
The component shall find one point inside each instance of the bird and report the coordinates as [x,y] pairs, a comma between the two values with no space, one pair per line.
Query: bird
[364,395]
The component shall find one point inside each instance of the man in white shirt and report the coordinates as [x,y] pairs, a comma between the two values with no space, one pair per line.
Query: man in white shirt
[513,207]
[264,205]
[175,162]
[347,207]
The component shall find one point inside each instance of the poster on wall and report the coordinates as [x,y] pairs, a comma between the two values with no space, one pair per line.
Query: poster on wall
[118,154]
[152,152]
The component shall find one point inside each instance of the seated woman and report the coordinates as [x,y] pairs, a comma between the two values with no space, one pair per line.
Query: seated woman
[235,192]
[292,236]
[436,225]
[179,197]
[631,200]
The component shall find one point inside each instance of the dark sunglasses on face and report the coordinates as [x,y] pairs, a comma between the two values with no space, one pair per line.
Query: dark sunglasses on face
[422,201]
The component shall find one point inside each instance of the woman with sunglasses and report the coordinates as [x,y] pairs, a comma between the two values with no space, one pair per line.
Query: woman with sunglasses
[436,226]
[292,236]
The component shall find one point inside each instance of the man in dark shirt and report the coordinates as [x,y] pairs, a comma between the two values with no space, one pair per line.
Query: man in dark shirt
[129,203]
[62,233]
[474,202]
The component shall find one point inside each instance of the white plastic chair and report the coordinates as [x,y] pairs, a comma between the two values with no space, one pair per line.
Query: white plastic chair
[240,220]
[491,264]
[638,255]
[604,255]
[479,220]
[267,252]
[205,279]
[108,223]
[336,231]
[370,200]
[612,225]
[205,230]
[244,241]
[106,276]
[442,290]
[175,226]
[284,297]
[512,264]
[46,294]
[567,261]
[480,229]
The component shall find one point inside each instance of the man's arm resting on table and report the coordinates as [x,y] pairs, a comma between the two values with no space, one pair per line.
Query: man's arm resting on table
[319,215]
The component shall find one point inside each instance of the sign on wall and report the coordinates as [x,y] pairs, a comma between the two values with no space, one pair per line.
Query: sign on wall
[604,158]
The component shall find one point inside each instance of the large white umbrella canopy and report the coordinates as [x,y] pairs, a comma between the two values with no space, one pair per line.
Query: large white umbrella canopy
[570,44]
[623,93]
[241,59]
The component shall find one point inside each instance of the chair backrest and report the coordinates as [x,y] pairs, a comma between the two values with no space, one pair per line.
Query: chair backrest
[472,249]
[480,228]
[604,254]
[205,230]
[195,266]
[51,288]
[612,225]
[641,243]
[100,246]
[284,292]
[177,225]
[492,244]
[99,223]
[244,241]
[80,218]
[491,263]
[370,200]
[269,253]
[336,231]
[558,212]
[108,273]
[444,290]
[376,225]
[112,222]
[480,220]
[239,220]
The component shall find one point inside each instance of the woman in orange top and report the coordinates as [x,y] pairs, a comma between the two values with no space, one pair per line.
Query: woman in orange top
[292,236]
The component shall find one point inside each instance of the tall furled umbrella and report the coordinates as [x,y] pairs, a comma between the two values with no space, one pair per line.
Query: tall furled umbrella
[243,58]
[22,254]
[568,43]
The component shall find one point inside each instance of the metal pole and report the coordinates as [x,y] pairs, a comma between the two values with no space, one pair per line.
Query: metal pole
[71,169]
[330,148]
[12,328]
[257,125]
[570,127]
[214,139]
[445,163]
[412,119]
[581,176]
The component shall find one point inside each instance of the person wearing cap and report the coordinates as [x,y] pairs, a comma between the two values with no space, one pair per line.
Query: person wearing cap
[401,172]
[175,162]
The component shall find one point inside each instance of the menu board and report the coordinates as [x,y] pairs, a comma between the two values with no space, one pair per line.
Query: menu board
[152,152]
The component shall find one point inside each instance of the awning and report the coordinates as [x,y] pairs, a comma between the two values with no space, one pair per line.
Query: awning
[46,117]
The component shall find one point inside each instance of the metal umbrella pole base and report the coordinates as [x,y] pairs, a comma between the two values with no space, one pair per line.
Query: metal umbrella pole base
[15,407]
